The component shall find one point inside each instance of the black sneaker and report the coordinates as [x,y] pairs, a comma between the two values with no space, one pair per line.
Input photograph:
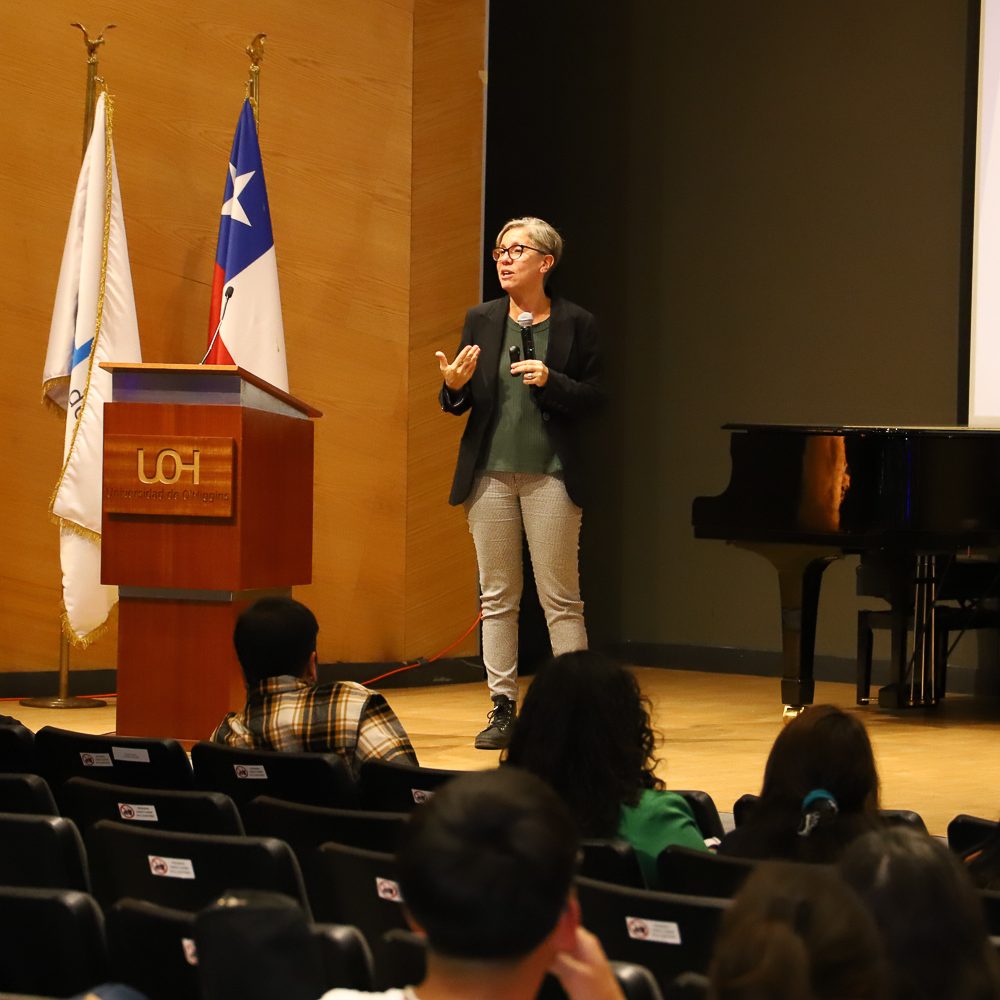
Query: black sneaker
[496,735]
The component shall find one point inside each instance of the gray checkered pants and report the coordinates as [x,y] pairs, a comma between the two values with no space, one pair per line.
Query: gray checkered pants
[500,504]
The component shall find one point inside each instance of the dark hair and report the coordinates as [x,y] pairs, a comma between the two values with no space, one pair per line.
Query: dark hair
[584,728]
[796,932]
[275,636]
[827,751]
[486,865]
[929,917]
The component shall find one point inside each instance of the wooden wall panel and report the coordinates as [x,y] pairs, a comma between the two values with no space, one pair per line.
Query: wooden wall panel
[448,87]
[340,127]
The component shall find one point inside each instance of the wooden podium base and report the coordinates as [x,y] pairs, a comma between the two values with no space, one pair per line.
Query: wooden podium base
[177,670]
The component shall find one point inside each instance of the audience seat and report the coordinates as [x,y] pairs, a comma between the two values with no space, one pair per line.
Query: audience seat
[260,946]
[991,908]
[26,793]
[706,815]
[392,787]
[701,873]
[42,852]
[52,942]
[966,832]
[119,760]
[152,949]
[187,871]
[321,779]
[306,828]
[86,802]
[354,886]
[17,748]
[743,806]
[666,932]
[611,861]
[347,959]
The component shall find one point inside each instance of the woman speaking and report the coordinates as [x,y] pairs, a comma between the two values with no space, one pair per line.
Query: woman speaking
[527,370]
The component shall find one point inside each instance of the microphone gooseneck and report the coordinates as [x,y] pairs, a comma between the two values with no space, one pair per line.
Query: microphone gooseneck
[227,295]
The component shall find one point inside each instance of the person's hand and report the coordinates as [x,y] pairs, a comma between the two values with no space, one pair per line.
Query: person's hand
[584,972]
[460,370]
[535,373]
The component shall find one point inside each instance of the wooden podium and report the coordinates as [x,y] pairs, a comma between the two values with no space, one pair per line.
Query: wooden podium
[207,493]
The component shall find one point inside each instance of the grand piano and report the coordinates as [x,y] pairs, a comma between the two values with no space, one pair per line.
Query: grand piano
[911,501]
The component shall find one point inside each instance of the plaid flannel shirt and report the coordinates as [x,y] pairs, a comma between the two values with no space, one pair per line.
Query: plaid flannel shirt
[288,713]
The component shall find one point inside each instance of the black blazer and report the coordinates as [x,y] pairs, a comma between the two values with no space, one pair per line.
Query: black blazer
[574,389]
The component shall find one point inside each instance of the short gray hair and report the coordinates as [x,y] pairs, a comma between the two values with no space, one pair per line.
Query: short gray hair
[540,232]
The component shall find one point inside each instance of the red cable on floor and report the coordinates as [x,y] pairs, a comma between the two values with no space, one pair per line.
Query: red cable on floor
[421,662]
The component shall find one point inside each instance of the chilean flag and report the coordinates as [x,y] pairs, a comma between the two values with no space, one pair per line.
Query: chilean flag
[252,335]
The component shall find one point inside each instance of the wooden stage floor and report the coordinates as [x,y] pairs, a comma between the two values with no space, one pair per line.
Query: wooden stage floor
[716,732]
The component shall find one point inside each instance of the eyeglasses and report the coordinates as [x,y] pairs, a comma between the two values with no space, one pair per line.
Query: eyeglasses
[514,252]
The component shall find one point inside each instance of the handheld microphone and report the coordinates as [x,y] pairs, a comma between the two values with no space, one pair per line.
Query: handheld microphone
[515,355]
[227,296]
[524,321]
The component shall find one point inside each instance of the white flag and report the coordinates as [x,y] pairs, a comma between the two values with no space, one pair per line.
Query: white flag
[93,321]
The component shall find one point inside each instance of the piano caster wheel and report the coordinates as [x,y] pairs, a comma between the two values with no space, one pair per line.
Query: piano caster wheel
[790,712]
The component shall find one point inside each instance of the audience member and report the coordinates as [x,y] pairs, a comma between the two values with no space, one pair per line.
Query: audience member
[926,909]
[820,791]
[286,709]
[584,727]
[485,870]
[796,932]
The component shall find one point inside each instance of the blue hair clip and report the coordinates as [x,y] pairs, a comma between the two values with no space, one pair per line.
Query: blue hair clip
[818,805]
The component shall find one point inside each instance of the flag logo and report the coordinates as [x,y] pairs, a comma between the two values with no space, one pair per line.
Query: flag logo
[251,334]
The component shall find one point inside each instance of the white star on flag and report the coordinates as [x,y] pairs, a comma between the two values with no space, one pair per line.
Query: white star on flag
[233,206]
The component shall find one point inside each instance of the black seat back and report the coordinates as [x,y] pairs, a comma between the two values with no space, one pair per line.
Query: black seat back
[87,802]
[152,949]
[26,793]
[186,871]
[392,787]
[119,760]
[306,828]
[966,832]
[42,852]
[315,778]
[354,886]
[701,873]
[52,942]
[666,932]
[17,748]
[706,815]
[611,861]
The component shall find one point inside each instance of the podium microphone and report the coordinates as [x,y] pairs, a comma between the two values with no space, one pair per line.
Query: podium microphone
[524,321]
[227,296]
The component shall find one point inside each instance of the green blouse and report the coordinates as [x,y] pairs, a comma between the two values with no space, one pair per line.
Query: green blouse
[656,821]
[518,441]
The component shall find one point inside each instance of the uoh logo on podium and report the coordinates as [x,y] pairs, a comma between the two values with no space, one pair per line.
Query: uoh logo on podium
[177,466]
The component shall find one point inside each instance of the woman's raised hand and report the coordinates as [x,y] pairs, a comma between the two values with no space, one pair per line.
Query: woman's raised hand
[459,371]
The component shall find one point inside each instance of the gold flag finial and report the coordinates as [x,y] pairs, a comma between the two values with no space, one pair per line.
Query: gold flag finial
[255,50]
[90,102]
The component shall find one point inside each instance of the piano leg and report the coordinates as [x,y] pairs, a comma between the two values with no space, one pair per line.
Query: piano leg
[800,573]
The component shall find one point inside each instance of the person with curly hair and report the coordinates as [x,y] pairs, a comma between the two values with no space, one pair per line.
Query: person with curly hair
[584,727]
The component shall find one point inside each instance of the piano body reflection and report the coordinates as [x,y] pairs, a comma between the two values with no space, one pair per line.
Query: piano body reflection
[906,499]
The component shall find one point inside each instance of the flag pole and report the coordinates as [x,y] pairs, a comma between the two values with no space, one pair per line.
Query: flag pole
[90,99]
[63,699]
[255,50]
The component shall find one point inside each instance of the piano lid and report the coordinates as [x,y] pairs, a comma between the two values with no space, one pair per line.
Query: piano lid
[882,429]
[931,489]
